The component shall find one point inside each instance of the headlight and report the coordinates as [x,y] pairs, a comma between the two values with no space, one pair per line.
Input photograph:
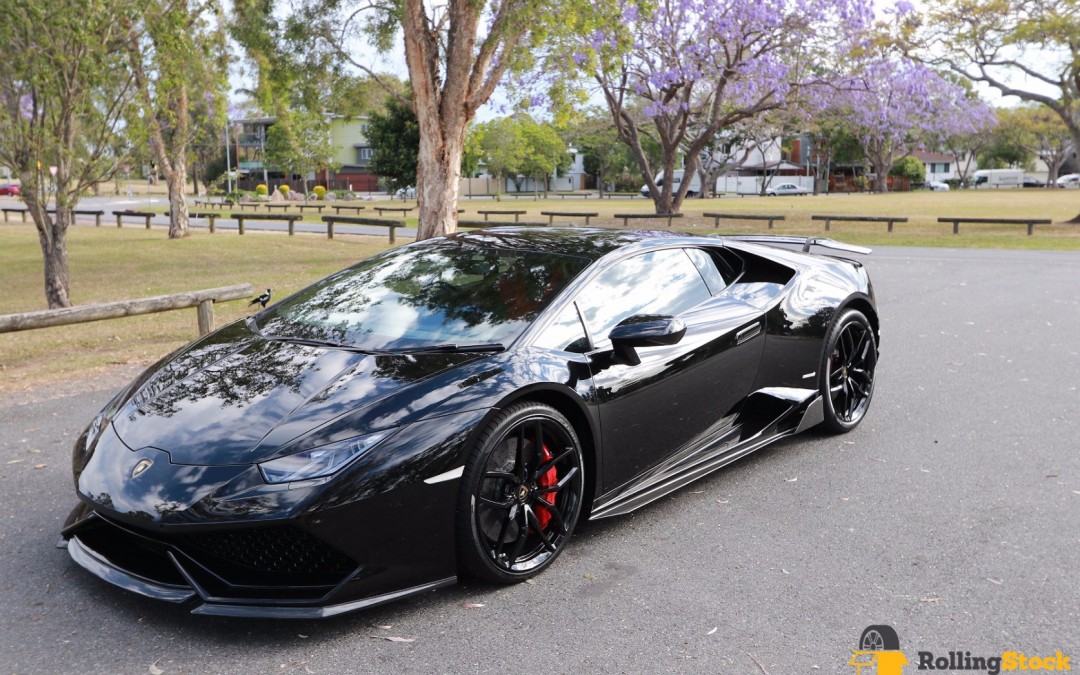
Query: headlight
[318,462]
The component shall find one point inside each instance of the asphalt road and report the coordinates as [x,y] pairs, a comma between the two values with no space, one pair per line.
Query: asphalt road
[951,514]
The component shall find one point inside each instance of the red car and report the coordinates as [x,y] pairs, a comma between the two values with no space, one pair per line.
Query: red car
[9,189]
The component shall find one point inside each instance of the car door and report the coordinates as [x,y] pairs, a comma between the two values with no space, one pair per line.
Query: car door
[678,395]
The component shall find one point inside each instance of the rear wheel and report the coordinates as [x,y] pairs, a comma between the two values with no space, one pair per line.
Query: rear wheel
[521,494]
[847,371]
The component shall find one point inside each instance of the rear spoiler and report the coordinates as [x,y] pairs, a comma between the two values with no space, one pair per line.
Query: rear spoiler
[804,242]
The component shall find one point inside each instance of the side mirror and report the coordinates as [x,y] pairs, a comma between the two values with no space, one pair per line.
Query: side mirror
[644,331]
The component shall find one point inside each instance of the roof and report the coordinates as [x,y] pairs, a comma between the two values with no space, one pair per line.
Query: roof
[589,243]
[934,157]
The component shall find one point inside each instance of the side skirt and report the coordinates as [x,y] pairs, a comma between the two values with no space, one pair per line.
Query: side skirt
[802,409]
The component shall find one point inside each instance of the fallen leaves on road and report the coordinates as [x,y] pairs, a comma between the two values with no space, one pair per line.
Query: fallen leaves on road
[723,501]
[472,605]
[996,582]
[713,630]
[791,480]
[16,461]
[845,499]
[930,599]
[382,626]
[392,638]
[40,466]
[758,663]
[154,670]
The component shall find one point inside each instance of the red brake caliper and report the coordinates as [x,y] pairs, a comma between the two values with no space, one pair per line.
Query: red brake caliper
[549,479]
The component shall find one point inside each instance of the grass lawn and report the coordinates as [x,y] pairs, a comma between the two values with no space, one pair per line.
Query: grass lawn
[111,264]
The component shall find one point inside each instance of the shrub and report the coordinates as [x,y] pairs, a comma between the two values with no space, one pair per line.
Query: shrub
[320,192]
[260,190]
[284,190]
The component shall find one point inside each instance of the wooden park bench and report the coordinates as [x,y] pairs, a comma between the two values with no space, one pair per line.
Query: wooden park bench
[213,204]
[861,219]
[631,195]
[568,214]
[282,217]
[394,209]
[283,207]
[360,220]
[338,208]
[244,205]
[211,218]
[146,215]
[14,210]
[1030,222]
[501,212]
[740,216]
[650,216]
[318,207]
[576,195]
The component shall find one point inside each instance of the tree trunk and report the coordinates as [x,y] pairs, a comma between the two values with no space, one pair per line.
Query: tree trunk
[438,174]
[52,233]
[176,179]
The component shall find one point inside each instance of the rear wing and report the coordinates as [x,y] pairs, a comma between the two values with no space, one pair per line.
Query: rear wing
[804,242]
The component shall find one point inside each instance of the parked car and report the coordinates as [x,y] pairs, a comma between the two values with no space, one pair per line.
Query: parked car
[693,191]
[1069,180]
[9,189]
[937,185]
[786,189]
[1032,182]
[455,406]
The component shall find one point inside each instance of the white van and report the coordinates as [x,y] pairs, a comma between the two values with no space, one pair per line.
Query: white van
[998,178]
[693,191]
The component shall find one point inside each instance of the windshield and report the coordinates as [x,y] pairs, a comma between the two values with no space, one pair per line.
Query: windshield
[440,292]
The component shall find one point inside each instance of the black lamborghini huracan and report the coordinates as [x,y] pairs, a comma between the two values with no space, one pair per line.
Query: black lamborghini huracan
[455,406]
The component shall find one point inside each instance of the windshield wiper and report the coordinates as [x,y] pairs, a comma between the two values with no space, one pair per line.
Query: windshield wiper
[453,348]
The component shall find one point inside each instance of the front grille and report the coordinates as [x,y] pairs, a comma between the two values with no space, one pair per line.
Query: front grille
[284,550]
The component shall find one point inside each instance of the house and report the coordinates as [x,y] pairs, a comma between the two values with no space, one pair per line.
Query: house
[348,136]
[939,167]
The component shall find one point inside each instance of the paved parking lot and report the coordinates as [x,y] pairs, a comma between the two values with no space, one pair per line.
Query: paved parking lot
[951,514]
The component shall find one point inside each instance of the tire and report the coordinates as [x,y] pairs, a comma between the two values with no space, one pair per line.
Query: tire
[847,370]
[879,638]
[521,494]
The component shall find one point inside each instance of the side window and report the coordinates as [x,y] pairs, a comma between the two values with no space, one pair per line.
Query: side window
[661,282]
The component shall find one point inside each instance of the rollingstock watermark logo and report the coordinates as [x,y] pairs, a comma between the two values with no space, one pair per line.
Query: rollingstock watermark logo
[879,652]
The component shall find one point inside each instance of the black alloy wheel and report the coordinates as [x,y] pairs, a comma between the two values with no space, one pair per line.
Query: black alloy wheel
[521,494]
[847,371]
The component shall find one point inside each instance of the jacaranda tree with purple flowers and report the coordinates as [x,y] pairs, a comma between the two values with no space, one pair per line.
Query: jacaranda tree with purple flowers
[895,106]
[681,71]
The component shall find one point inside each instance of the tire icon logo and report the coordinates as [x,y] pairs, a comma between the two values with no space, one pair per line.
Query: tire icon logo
[879,652]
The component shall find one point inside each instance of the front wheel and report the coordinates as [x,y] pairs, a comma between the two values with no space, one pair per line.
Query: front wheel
[847,371]
[521,494]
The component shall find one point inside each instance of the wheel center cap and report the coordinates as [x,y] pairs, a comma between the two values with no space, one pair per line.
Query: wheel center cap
[522,492]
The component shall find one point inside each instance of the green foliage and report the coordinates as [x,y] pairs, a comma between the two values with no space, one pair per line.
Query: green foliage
[1007,145]
[605,156]
[299,142]
[395,144]
[261,190]
[520,146]
[320,191]
[910,168]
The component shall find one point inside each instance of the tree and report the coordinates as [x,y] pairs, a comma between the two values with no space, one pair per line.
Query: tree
[1028,49]
[910,168]
[502,147]
[63,111]
[604,155]
[683,70]
[395,144]
[895,105]
[176,52]
[456,51]
[545,152]
[1006,145]
[1044,135]
[299,142]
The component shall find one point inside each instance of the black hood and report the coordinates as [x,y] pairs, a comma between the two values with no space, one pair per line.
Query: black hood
[235,397]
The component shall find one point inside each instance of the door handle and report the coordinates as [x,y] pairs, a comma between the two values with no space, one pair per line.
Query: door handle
[746,333]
